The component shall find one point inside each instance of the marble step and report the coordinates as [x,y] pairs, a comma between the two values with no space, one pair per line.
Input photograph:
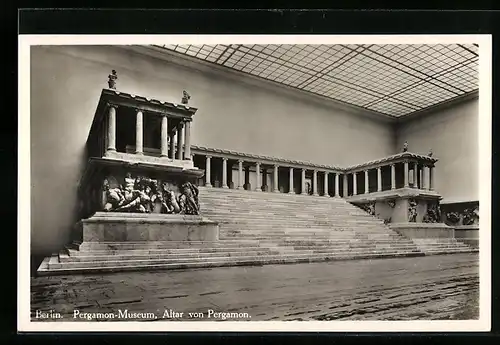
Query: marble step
[90,268]
[226,231]
[236,243]
[64,258]
[227,251]
[260,258]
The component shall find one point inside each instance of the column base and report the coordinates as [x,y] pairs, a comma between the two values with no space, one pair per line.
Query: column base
[258,189]
[139,153]
[239,188]
[337,196]
[276,190]
[225,187]
[208,185]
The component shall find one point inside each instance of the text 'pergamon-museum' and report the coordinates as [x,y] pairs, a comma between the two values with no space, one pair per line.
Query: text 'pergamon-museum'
[254,182]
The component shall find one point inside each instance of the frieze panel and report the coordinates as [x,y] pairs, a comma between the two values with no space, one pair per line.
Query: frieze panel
[468,217]
[369,207]
[412,210]
[145,195]
[433,214]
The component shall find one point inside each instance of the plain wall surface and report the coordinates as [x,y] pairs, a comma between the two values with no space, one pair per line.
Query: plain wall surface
[66,82]
[452,134]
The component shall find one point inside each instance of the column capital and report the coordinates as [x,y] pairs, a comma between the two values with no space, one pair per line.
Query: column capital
[224,159]
[139,110]
[354,172]
[276,165]
[379,168]
[240,160]
[326,172]
[111,105]
[303,169]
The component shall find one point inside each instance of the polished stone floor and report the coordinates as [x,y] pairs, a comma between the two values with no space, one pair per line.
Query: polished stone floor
[440,287]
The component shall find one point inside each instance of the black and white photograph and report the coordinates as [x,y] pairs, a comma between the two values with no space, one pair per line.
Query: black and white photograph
[186,179]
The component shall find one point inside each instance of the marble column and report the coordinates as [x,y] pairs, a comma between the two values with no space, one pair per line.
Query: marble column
[431,178]
[164,136]
[346,185]
[275,180]
[264,179]
[415,175]
[337,189]
[325,184]
[425,178]
[258,187]
[303,182]
[240,174]
[112,128]
[379,179]
[367,182]
[393,176]
[224,172]
[405,164]
[315,182]
[171,154]
[187,142]
[290,190]
[354,183]
[138,132]
[207,171]
[179,140]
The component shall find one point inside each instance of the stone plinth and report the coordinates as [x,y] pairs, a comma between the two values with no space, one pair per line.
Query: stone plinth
[138,227]
[423,230]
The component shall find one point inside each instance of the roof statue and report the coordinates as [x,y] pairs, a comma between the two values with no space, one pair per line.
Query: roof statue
[430,153]
[112,80]
[405,146]
[185,97]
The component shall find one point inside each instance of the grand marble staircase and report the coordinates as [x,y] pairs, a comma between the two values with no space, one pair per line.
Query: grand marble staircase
[258,228]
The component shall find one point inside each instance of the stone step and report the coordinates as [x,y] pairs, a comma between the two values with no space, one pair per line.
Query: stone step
[64,258]
[299,232]
[261,259]
[190,265]
[236,243]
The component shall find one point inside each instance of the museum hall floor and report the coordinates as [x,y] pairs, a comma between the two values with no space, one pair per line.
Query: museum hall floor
[438,287]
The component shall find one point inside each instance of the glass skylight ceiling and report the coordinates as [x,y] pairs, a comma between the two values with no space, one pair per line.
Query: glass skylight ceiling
[392,79]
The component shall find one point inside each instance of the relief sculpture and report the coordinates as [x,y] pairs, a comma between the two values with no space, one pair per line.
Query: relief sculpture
[412,211]
[369,207]
[433,214]
[470,216]
[144,195]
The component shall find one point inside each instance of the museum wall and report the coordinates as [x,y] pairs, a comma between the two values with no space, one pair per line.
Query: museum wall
[65,86]
[452,133]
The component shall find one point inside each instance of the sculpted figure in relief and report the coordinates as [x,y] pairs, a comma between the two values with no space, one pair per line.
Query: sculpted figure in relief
[412,211]
[142,194]
[188,200]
